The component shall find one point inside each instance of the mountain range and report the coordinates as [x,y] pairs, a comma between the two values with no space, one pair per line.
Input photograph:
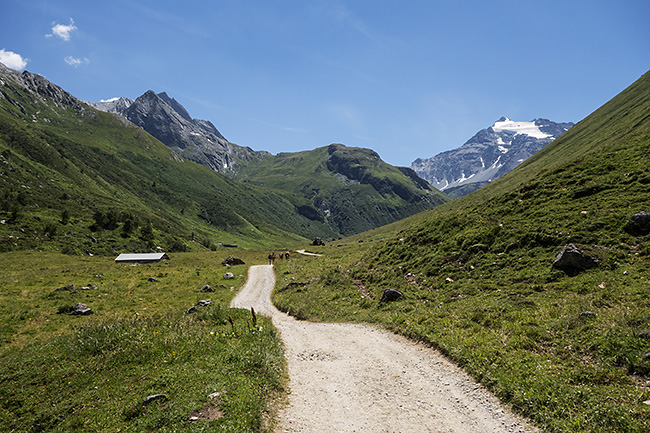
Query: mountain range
[351,189]
[488,155]
[86,181]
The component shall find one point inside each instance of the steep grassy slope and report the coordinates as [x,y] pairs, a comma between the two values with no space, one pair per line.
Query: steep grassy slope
[351,189]
[569,350]
[77,179]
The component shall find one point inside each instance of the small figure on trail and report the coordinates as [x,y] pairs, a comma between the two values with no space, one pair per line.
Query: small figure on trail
[270,257]
[286,255]
[273,258]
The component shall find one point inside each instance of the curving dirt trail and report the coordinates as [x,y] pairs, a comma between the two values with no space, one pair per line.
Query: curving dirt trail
[355,378]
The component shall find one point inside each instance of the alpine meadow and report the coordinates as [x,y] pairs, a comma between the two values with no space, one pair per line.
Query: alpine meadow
[537,284]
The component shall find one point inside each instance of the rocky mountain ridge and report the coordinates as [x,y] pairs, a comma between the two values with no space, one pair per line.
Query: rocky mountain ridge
[488,155]
[42,90]
[167,120]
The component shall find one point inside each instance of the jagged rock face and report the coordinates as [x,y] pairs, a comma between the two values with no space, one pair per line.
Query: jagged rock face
[488,155]
[39,87]
[168,121]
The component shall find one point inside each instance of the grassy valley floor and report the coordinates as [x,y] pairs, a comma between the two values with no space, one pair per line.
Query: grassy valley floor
[140,362]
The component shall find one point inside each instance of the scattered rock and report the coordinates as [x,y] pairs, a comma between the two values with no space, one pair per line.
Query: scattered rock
[153,398]
[573,260]
[390,295]
[206,288]
[77,310]
[228,275]
[201,303]
[152,280]
[638,224]
[69,287]
[216,394]
[645,334]
[91,287]
[232,261]
[587,314]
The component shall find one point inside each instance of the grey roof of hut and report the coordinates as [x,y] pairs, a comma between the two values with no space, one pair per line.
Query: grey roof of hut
[142,258]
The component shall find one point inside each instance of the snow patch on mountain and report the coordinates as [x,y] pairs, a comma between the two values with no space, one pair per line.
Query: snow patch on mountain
[528,128]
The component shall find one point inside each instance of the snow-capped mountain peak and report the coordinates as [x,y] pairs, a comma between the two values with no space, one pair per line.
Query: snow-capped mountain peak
[488,155]
[529,128]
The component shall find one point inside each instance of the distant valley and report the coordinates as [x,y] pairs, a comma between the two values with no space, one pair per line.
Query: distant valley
[350,189]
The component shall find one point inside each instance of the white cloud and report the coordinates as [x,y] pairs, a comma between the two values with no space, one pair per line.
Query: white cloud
[13,60]
[63,31]
[72,61]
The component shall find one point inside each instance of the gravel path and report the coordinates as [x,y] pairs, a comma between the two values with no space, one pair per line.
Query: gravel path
[356,378]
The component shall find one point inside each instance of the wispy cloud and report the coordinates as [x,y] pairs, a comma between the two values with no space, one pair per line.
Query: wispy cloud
[13,60]
[73,61]
[342,15]
[62,31]
[348,115]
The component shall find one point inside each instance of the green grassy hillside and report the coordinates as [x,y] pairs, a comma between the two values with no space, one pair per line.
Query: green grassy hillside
[81,181]
[350,189]
[568,350]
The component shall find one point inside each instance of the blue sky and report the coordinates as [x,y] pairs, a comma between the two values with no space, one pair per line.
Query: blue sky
[407,78]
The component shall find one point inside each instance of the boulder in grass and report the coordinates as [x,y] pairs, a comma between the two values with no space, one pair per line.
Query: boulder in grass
[574,260]
[390,295]
[76,310]
[638,224]
[81,310]
[232,261]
